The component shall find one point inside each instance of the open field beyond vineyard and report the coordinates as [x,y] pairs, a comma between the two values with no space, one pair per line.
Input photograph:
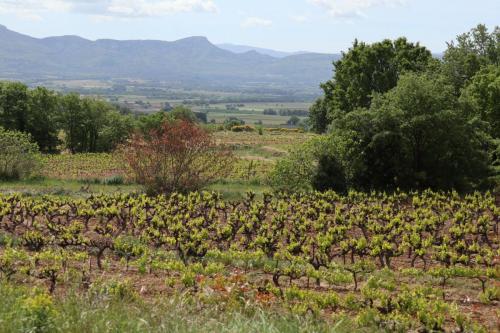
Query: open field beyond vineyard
[83,174]
[320,262]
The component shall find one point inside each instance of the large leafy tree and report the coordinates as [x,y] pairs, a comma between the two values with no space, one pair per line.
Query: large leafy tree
[365,70]
[43,118]
[470,52]
[14,106]
[415,137]
[481,98]
[412,137]
[91,125]
[31,111]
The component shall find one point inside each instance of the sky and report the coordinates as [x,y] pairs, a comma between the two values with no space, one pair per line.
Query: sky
[327,26]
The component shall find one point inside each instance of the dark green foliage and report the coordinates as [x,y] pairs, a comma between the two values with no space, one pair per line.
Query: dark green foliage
[43,119]
[366,69]
[31,111]
[91,125]
[182,113]
[293,121]
[201,117]
[231,122]
[318,116]
[414,137]
[78,124]
[329,175]
[471,51]
[398,118]
[14,106]
[481,98]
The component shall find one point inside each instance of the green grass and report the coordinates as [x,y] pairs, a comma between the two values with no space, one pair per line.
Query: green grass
[29,310]
[75,188]
[250,119]
[230,190]
[233,190]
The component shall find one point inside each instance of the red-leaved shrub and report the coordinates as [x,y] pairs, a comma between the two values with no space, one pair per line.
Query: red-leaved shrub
[180,156]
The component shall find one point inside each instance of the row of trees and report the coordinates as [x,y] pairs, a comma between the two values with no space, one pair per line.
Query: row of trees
[166,152]
[52,120]
[396,117]
[71,122]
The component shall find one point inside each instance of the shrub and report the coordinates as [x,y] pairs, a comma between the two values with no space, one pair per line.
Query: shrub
[293,121]
[179,157]
[230,122]
[243,128]
[19,156]
[285,130]
[114,180]
[40,312]
[298,171]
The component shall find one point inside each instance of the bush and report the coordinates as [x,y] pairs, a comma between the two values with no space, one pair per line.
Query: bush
[285,130]
[243,128]
[298,171]
[293,121]
[231,122]
[114,180]
[178,157]
[19,156]
[40,312]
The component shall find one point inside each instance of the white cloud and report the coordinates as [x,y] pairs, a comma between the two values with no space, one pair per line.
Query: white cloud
[252,22]
[106,8]
[158,7]
[351,8]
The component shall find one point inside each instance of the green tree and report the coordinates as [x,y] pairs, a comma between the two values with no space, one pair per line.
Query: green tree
[469,53]
[415,137]
[14,106]
[43,119]
[182,113]
[481,98]
[73,118]
[91,125]
[298,170]
[412,137]
[293,121]
[318,115]
[367,69]
[116,130]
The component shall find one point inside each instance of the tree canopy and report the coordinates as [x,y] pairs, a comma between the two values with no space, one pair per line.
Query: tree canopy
[395,117]
[365,70]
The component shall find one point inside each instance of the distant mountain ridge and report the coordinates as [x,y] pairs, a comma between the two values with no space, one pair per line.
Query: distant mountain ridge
[245,48]
[188,62]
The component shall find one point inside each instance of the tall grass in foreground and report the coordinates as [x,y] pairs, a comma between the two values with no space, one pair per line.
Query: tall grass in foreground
[28,310]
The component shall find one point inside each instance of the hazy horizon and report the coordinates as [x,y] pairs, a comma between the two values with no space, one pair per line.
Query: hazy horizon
[281,25]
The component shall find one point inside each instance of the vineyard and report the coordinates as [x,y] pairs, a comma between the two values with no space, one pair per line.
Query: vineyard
[403,262]
[256,157]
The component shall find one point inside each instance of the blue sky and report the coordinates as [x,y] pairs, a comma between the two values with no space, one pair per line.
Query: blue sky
[288,25]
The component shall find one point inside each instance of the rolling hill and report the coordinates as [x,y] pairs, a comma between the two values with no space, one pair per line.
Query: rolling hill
[189,62]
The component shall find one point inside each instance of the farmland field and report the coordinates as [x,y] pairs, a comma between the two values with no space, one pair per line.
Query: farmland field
[82,238]
[251,113]
[83,174]
[402,262]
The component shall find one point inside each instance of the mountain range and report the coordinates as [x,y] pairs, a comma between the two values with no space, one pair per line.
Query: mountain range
[189,62]
[245,48]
